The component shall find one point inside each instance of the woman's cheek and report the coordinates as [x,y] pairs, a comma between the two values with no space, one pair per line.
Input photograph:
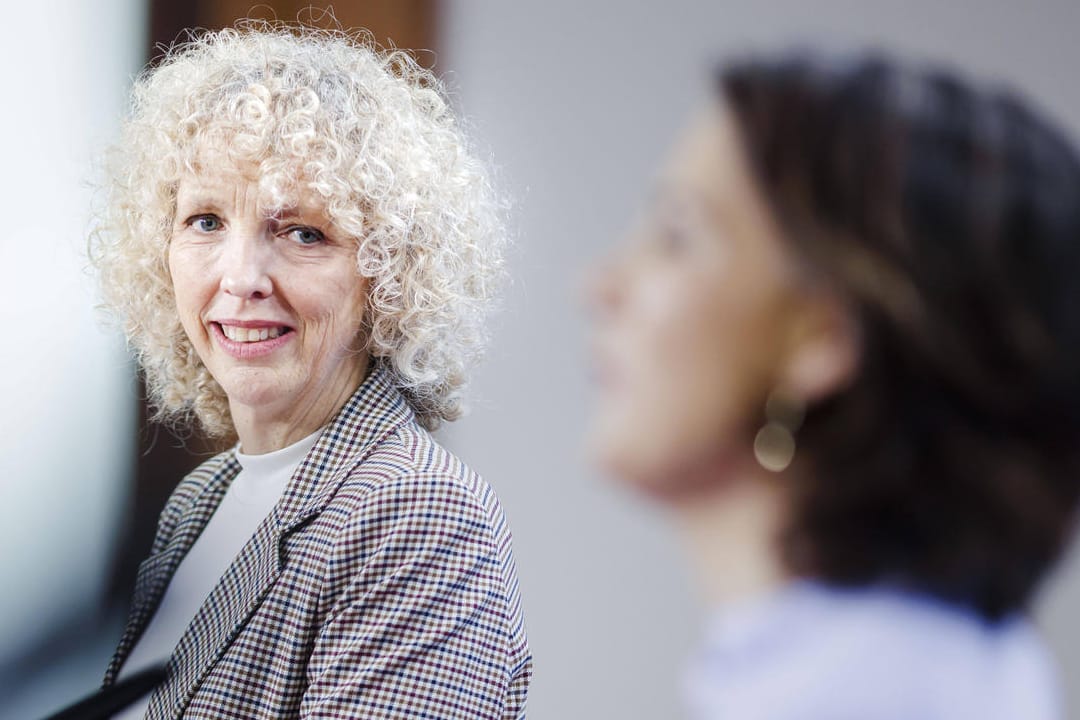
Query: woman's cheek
[668,380]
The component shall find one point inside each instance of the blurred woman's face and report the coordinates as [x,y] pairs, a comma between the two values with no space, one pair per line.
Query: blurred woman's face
[269,297]
[692,321]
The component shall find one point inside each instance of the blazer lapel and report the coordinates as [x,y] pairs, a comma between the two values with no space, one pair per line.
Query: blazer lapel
[374,410]
[232,601]
[157,570]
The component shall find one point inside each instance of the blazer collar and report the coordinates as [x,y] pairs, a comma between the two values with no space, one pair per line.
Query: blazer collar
[375,410]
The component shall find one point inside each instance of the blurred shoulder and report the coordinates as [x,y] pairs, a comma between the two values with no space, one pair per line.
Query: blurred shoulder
[816,652]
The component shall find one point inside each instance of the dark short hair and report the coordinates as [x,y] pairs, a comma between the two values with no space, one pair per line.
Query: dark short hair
[948,215]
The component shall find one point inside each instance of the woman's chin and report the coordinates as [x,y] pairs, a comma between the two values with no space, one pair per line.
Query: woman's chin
[657,472]
[254,392]
[626,464]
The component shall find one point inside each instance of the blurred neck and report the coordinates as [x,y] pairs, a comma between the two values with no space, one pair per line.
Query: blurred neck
[731,530]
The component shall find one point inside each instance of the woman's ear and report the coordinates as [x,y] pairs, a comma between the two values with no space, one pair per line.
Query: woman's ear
[823,354]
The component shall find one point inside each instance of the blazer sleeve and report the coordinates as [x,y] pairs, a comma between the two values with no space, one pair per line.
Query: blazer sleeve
[422,625]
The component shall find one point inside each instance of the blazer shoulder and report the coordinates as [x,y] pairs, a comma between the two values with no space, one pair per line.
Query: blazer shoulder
[415,496]
[412,509]
[410,457]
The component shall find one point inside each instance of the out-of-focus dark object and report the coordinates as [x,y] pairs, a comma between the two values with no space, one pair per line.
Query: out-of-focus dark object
[401,23]
[107,702]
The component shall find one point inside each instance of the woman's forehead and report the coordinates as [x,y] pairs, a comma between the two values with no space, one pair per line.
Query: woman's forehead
[276,192]
[229,157]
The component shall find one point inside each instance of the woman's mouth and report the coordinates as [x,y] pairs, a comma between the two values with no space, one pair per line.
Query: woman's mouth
[244,342]
[250,334]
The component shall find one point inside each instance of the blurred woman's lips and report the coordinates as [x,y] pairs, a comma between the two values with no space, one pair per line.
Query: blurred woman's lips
[602,370]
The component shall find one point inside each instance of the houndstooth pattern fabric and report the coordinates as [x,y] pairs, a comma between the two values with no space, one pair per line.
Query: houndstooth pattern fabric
[382,585]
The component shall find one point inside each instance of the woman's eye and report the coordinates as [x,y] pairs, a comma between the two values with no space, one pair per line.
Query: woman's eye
[205,223]
[305,235]
[673,240]
[669,238]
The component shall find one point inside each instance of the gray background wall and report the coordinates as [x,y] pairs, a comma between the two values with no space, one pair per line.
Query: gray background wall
[578,101]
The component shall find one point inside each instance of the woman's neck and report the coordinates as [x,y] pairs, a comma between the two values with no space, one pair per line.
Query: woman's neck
[731,531]
[264,429]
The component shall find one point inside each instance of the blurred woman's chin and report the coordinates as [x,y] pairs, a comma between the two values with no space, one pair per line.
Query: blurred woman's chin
[649,483]
[598,448]
[626,463]
[606,450]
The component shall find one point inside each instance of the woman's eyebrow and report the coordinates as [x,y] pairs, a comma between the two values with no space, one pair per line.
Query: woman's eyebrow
[280,213]
[306,213]
[205,202]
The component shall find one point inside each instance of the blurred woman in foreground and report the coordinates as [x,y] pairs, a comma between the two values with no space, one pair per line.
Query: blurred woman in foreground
[844,351]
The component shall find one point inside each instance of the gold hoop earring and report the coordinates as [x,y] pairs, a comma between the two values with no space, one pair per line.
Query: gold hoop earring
[774,444]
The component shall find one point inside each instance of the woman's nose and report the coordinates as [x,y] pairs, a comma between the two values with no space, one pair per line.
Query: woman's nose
[601,286]
[245,267]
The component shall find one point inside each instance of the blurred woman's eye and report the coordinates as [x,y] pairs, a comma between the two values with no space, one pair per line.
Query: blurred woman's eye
[670,237]
[205,223]
[305,235]
[674,240]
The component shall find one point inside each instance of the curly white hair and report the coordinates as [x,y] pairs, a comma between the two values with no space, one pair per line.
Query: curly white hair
[369,132]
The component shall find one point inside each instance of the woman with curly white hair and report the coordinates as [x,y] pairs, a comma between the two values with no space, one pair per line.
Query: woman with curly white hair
[301,250]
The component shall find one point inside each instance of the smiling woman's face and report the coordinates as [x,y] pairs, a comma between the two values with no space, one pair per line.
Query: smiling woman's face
[270,299]
[694,320]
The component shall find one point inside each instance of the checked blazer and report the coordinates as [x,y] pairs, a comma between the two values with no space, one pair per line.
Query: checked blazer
[382,585]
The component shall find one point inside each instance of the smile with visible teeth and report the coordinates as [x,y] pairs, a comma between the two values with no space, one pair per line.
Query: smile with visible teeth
[248,335]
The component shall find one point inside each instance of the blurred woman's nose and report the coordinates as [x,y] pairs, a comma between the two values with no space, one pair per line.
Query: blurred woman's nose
[245,265]
[601,286]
